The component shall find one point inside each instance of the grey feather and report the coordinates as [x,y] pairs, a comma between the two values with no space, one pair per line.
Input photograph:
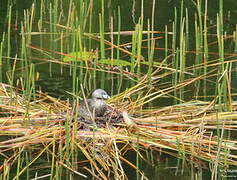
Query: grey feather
[96,106]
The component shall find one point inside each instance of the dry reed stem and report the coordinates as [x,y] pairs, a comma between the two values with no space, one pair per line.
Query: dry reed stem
[185,128]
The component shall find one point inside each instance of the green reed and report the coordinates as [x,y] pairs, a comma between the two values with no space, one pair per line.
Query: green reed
[201,46]
[102,40]
[90,22]
[182,48]
[187,28]
[222,81]
[234,39]
[166,43]
[206,49]
[58,168]
[151,43]
[150,50]
[118,30]
[40,22]
[8,36]
[134,47]
[19,164]
[53,20]
[82,13]
[70,42]
[112,56]
[182,57]
[1,55]
[76,47]
[174,58]
[74,41]
[79,18]
[26,63]
[200,21]
[198,57]
[137,159]
[27,68]
[102,37]
[76,24]
[27,161]
[53,161]
[9,17]
[120,77]
[139,45]
[67,151]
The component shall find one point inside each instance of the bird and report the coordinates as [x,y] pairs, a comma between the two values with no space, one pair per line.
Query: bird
[94,107]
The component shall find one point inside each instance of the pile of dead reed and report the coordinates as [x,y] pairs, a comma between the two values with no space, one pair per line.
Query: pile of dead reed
[194,130]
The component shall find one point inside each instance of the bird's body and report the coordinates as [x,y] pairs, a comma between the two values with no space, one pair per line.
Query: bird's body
[94,107]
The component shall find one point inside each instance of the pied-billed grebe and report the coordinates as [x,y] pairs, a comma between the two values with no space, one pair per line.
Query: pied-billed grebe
[96,106]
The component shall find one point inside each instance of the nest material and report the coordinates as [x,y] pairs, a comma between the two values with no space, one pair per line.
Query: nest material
[168,130]
[111,117]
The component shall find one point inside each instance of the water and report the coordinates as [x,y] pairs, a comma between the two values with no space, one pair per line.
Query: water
[57,79]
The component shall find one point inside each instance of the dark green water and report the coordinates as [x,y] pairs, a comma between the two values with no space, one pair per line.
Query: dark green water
[57,80]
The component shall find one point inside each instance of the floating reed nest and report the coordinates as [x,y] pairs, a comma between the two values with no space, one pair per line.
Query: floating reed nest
[185,129]
[112,117]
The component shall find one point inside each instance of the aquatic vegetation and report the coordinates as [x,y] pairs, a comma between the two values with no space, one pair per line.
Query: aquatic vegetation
[171,90]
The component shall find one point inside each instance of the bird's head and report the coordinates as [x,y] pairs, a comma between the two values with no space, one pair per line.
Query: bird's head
[100,94]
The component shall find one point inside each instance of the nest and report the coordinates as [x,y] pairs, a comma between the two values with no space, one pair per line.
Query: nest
[182,129]
[111,117]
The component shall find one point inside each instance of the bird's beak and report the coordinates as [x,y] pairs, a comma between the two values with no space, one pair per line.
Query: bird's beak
[106,96]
